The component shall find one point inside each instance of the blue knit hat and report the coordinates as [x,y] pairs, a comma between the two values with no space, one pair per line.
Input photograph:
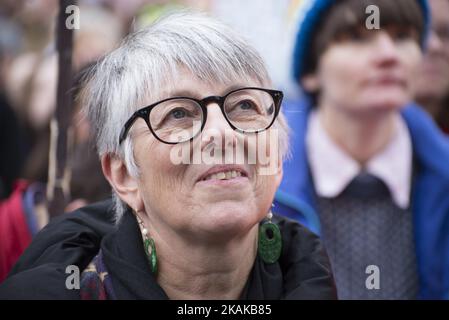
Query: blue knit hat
[308,18]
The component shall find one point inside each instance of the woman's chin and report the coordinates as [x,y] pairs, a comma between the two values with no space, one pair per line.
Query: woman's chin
[387,100]
[228,221]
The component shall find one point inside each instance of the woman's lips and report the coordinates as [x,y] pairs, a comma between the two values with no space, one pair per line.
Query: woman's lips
[388,80]
[233,182]
[224,175]
[223,172]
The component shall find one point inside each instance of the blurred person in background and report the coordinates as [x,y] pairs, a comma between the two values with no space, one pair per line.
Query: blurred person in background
[23,209]
[101,31]
[28,81]
[21,214]
[33,19]
[12,147]
[369,169]
[87,182]
[432,79]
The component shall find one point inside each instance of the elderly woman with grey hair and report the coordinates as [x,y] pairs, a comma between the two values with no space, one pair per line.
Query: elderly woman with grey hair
[191,139]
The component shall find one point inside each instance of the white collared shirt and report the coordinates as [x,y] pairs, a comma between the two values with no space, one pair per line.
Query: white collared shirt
[333,169]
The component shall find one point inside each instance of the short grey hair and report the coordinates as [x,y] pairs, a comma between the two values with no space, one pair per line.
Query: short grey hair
[150,59]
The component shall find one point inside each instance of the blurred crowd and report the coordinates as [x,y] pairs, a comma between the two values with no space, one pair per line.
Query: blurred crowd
[28,84]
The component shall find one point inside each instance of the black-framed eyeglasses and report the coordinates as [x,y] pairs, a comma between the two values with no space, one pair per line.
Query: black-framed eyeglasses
[180,119]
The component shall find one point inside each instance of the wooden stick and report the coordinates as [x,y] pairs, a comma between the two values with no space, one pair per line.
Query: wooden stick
[58,193]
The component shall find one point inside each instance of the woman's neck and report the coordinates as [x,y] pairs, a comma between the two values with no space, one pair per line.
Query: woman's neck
[205,270]
[361,135]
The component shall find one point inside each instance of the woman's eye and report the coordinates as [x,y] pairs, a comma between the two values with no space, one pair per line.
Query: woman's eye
[353,35]
[407,35]
[401,34]
[246,105]
[356,35]
[178,113]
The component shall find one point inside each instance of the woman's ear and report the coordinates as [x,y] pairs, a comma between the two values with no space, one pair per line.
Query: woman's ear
[310,82]
[126,186]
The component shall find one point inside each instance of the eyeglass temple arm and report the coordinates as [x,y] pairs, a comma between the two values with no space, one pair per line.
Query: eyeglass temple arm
[126,127]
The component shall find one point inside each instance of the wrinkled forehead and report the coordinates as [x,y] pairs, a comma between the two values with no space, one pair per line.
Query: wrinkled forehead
[182,81]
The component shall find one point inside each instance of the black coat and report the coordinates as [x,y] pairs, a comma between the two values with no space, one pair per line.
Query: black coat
[302,272]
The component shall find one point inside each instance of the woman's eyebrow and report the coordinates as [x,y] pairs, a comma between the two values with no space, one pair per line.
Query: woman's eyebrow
[234,87]
[197,95]
[184,93]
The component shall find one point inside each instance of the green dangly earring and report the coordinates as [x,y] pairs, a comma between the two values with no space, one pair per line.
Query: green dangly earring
[149,246]
[150,251]
[270,241]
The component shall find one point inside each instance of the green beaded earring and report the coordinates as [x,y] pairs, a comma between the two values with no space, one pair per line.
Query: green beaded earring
[149,246]
[270,241]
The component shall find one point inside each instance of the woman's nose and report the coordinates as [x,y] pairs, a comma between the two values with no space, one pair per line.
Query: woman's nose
[217,129]
[385,50]
[216,119]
